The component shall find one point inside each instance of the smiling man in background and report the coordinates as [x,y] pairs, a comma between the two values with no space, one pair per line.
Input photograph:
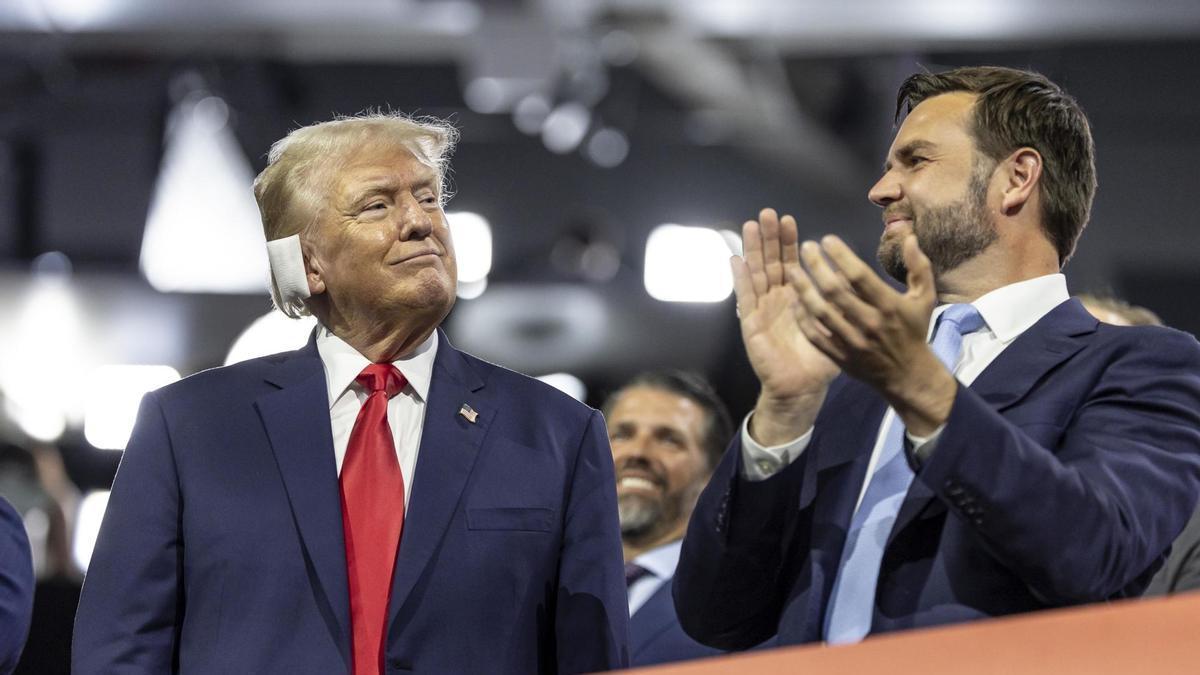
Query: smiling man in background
[667,431]
[377,501]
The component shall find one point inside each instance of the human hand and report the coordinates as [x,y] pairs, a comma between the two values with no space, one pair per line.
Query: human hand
[794,374]
[872,331]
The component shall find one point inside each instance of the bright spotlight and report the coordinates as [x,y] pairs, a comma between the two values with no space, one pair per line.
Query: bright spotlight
[687,264]
[270,334]
[472,245]
[113,396]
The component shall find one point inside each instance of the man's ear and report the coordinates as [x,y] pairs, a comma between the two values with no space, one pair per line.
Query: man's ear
[313,272]
[1022,175]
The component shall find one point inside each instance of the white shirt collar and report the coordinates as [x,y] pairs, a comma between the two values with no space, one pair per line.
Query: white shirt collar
[343,363]
[1010,310]
[661,561]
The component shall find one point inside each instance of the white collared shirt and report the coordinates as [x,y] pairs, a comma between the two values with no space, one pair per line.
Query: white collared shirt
[1007,312]
[660,562]
[406,410]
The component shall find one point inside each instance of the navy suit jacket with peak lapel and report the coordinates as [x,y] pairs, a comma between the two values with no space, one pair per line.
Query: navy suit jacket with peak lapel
[1061,477]
[222,551]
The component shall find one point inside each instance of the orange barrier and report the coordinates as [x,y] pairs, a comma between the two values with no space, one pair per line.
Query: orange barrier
[1122,638]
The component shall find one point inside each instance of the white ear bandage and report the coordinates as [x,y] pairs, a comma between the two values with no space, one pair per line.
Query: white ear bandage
[287,268]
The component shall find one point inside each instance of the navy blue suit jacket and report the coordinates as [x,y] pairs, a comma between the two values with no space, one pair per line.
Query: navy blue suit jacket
[222,548]
[16,586]
[1061,476]
[655,635]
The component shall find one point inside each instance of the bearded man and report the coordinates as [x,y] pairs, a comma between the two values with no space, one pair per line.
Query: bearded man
[667,431]
[975,446]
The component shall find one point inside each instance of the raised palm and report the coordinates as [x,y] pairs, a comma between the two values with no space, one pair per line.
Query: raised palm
[786,363]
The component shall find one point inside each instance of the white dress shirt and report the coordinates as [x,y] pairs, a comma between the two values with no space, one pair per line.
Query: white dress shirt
[1007,312]
[660,563]
[406,410]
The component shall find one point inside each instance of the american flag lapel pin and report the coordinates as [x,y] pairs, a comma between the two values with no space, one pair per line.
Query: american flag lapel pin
[468,412]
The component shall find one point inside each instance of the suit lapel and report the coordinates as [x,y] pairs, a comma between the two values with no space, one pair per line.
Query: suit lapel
[449,445]
[296,419]
[1055,338]
[652,618]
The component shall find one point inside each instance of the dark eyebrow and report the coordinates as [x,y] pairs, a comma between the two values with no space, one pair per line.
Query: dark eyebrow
[906,151]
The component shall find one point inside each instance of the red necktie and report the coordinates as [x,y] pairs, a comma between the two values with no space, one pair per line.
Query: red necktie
[372,515]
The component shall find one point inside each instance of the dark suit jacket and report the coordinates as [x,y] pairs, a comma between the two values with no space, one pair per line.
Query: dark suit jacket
[655,635]
[1061,477]
[222,549]
[16,586]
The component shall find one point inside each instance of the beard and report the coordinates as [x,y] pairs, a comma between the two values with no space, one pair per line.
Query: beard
[638,515]
[949,235]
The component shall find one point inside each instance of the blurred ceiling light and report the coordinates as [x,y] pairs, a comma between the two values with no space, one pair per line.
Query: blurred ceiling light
[565,127]
[44,346]
[469,290]
[485,95]
[44,422]
[608,147]
[114,393]
[733,240]
[530,114]
[568,384]
[203,232]
[687,264]
[472,237]
[87,526]
[82,14]
[270,334]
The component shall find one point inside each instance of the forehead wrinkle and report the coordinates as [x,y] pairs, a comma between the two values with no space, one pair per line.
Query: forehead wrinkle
[908,150]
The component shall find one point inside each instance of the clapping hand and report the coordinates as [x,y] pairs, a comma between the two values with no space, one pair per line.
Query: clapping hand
[793,372]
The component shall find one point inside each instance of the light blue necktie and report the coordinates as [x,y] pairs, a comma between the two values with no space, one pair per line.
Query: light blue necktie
[852,603]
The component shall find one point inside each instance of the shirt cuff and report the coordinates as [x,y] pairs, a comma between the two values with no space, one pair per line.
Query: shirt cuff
[760,463]
[921,447]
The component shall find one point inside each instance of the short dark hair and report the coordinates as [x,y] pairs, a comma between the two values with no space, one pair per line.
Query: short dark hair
[719,429]
[1016,109]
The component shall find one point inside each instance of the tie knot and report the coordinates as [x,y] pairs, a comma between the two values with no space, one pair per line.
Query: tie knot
[633,572]
[381,377]
[964,316]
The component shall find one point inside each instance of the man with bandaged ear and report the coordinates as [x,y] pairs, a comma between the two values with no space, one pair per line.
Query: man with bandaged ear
[973,446]
[377,501]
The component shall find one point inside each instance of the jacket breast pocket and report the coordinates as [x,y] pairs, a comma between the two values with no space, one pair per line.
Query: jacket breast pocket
[518,519]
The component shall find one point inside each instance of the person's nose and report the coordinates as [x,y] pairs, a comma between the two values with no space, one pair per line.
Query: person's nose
[886,190]
[414,220]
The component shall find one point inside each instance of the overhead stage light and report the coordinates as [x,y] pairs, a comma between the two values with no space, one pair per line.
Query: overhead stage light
[687,264]
[203,232]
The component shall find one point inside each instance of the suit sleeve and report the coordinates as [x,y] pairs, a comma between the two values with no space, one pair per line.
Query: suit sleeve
[16,586]
[592,613]
[728,585]
[131,606]
[1089,518]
